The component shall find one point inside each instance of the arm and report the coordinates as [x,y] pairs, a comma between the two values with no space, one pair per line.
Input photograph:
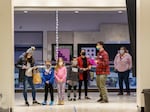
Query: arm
[52,77]
[43,78]
[130,61]
[19,64]
[105,59]
[65,74]
[115,61]
[56,77]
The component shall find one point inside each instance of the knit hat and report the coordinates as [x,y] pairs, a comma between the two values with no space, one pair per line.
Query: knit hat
[31,50]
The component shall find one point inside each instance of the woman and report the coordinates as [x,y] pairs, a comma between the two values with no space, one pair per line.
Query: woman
[26,63]
[123,65]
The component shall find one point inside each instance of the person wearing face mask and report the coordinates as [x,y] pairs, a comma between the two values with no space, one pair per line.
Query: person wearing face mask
[72,79]
[60,77]
[102,70]
[48,79]
[123,65]
[84,67]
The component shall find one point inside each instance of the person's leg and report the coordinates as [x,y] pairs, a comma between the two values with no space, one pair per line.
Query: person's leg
[25,89]
[46,92]
[75,91]
[126,80]
[85,83]
[80,85]
[120,77]
[98,85]
[30,80]
[69,91]
[103,91]
[63,85]
[51,94]
[58,91]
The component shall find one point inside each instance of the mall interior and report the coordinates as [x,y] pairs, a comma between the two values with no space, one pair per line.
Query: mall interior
[69,26]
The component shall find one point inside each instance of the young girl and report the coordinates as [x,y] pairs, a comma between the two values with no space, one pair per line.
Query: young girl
[60,76]
[48,79]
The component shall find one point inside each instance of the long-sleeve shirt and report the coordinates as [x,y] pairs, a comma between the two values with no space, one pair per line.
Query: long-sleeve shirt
[123,63]
[48,76]
[102,63]
[61,74]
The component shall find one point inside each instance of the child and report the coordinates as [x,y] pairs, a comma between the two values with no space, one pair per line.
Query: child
[60,76]
[48,79]
[72,79]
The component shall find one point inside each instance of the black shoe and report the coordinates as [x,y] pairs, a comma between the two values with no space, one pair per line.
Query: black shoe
[87,98]
[120,93]
[79,98]
[27,103]
[99,100]
[69,99]
[104,101]
[36,103]
[74,99]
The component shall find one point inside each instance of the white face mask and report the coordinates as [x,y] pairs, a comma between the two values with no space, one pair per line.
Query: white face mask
[60,63]
[121,51]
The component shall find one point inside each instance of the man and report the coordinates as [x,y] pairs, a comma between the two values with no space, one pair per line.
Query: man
[102,70]
[84,67]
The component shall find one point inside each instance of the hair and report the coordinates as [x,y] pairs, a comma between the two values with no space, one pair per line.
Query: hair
[82,49]
[30,60]
[57,63]
[101,43]
[48,61]
[125,49]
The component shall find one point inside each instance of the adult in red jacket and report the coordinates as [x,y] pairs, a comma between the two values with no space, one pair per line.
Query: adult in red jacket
[84,67]
[102,70]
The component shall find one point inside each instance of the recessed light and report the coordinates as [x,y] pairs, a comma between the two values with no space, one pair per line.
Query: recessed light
[25,12]
[120,12]
[76,12]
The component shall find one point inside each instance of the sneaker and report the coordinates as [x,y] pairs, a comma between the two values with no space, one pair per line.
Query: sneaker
[27,103]
[36,103]
[99,100]
[120,93]
[87,98]
[51,103]
[79,98]
[44,103]
[74,99]
[104,101]
[69,99]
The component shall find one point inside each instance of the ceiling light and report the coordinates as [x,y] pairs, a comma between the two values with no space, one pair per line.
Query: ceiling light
[120,12]
[25,12]
[76,12]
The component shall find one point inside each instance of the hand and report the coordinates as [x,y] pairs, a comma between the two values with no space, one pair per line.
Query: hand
[68,81]
[24,67]
[81,68]
[47,82]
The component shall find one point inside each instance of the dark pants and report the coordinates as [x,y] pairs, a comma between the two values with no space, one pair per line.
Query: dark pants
[25,84]
[85,80]
[124,76]
[50,87]
[74,90]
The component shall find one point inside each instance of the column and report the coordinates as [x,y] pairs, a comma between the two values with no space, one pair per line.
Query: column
[6,56]
[143,49]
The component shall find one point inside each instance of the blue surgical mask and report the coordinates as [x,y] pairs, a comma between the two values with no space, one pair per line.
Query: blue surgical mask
[97,47]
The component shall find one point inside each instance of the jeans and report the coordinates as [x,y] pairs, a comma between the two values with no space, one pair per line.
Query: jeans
[26,81]
[101,84]
[61,91]
[50,87]
[124,76]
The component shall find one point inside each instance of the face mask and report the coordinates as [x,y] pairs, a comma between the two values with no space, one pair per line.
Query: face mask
[121,51]
[74,62]
[97,47]
[60,63]
[83,53]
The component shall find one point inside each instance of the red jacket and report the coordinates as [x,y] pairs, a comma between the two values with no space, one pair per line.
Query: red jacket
[80,65]
[102,63]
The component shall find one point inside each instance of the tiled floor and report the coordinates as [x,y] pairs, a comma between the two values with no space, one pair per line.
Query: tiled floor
[116,104]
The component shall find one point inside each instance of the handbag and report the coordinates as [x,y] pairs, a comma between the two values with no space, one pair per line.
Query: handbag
[36,77]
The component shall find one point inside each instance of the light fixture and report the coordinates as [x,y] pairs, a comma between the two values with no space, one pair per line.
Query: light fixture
[25,12]
[76,12]
[120,12]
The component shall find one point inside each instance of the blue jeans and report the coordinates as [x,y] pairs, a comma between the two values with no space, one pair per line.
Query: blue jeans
[26,81]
